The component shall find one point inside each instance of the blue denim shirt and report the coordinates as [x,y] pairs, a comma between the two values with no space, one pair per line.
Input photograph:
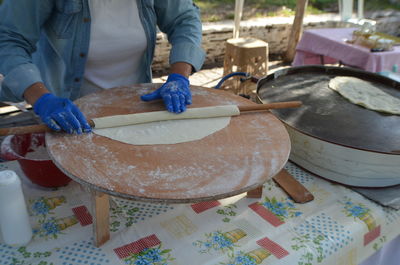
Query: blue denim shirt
[47,41]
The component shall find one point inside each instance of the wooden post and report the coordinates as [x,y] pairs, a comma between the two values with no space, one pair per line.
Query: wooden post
[346,11]
[297,28]
[360,9]
[101,216]
[238,17]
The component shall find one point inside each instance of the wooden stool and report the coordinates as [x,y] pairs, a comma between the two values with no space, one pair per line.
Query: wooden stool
[244,55]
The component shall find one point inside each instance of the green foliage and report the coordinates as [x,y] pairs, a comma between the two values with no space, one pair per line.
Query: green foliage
[320,4]
[263,3]
[381,5]
[214,10]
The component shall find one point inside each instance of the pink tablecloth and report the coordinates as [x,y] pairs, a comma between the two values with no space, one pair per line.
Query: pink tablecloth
[318,46]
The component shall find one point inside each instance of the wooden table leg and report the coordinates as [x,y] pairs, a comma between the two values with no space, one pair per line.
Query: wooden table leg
[292,187]
[256,193]
[101,218]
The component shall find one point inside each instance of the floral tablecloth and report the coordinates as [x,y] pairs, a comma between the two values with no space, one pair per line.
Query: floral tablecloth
[338,227]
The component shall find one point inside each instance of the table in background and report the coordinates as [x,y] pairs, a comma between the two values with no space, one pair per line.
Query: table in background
[329,46]
[338,227]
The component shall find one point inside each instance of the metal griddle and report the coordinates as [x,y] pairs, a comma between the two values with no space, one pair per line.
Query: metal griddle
[328,116]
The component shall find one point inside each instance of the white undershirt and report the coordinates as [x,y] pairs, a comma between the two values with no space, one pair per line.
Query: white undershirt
[117,44]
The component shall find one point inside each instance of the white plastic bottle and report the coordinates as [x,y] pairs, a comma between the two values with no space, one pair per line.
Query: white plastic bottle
[14,219]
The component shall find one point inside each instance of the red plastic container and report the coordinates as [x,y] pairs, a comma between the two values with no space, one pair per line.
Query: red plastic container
[40,171]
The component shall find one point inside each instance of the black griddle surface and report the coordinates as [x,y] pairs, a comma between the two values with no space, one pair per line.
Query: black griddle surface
[328,116]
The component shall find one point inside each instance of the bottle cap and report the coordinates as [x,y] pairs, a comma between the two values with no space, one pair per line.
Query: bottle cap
[8,177]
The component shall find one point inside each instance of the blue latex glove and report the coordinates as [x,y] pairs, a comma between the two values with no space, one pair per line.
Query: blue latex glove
[175,93]
[61,114]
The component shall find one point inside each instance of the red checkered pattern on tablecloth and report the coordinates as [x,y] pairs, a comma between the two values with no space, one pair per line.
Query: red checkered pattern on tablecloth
[274,248]
[372,235]
[203,206]
[83,215]
[265,214]
[137,246]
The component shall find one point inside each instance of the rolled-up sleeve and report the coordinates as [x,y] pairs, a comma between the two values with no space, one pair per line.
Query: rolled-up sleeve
[20,27]
[180,20]
[20,78]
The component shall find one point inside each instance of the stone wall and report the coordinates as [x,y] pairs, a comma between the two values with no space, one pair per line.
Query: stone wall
[276,35]
[275,31]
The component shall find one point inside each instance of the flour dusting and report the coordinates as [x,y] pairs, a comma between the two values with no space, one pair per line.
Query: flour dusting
[218,165]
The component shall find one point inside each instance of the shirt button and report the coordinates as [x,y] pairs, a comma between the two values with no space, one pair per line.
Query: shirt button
[86,20]
[82,54]
[77,79]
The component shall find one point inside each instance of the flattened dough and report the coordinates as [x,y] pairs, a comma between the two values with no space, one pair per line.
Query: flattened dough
[147,129]
[365,94]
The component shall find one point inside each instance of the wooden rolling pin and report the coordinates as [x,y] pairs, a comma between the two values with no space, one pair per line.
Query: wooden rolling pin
[98,122]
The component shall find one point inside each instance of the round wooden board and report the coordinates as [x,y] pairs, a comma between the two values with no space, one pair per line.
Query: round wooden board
[242,156]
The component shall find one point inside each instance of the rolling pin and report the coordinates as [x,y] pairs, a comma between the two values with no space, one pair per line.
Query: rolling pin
[136,118]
